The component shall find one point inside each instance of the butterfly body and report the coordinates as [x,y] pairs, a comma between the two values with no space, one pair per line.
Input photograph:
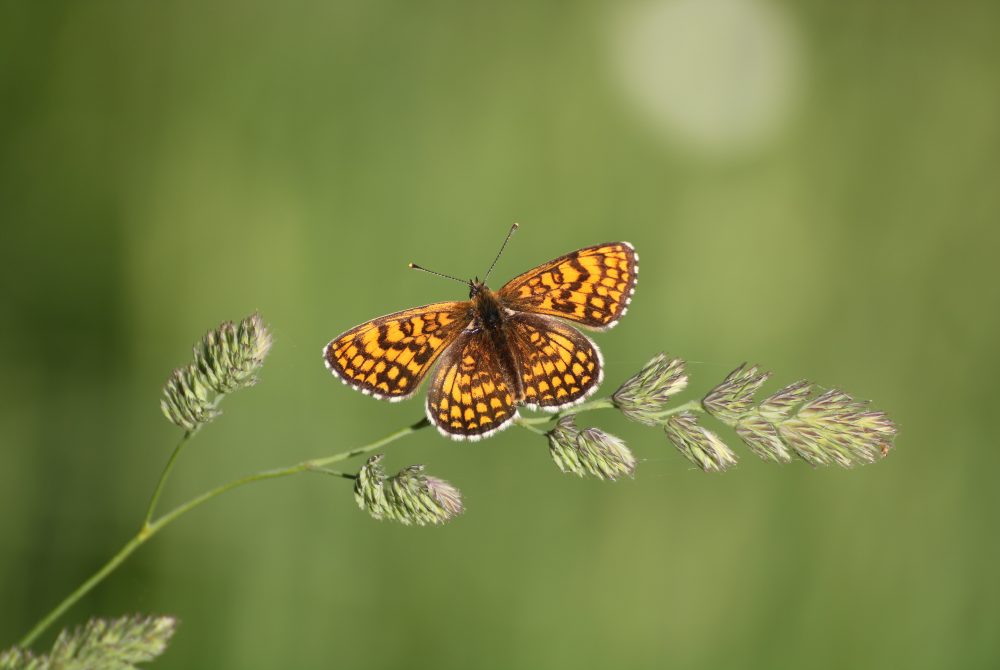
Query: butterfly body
[497,350]
[490,319]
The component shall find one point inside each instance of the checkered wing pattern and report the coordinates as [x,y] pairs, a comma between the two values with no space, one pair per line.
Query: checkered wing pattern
[388,357]
[591,286]
[471,395]
[559,365]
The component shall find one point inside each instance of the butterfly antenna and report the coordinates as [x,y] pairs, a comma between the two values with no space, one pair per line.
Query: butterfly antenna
[439,274]
[502,247]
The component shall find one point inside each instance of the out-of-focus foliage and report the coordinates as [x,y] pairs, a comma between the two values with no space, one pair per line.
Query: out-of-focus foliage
[811,185]
[118,644]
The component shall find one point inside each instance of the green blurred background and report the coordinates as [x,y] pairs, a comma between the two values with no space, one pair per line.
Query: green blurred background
[810,185]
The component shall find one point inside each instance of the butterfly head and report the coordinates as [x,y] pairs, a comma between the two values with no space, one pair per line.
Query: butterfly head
[476,287]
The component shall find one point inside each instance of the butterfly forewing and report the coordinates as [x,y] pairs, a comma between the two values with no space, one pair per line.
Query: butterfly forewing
[559,365]
[389,356]
[591,286]
[471,394]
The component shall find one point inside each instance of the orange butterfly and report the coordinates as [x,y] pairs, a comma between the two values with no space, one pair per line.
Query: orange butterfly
[498,350]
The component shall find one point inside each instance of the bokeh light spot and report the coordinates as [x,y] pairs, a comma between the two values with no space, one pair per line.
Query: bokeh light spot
[719,76]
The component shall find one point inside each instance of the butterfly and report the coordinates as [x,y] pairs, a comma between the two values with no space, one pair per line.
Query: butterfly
[498,350]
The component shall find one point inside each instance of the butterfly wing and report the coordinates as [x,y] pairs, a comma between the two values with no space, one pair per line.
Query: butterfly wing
[592,286]
[472,395]
[388,357]
[558,365]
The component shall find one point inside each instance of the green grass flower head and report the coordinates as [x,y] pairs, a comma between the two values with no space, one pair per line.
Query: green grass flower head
[226,359]
[646,395]
[409,497]
[698,444]
[589,452]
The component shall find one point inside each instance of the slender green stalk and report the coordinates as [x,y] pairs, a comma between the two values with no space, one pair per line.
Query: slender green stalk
[304,466]
[528,424]
[151,528]
[601,403]
[335,473]
[689,406]
[82,590]
[163,477]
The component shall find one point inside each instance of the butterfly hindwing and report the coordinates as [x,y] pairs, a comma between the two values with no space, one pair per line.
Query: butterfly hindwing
[471,395]
[389,356]
[558,365]
[591,286]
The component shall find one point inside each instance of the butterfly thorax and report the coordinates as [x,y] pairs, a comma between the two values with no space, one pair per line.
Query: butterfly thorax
[488,313]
